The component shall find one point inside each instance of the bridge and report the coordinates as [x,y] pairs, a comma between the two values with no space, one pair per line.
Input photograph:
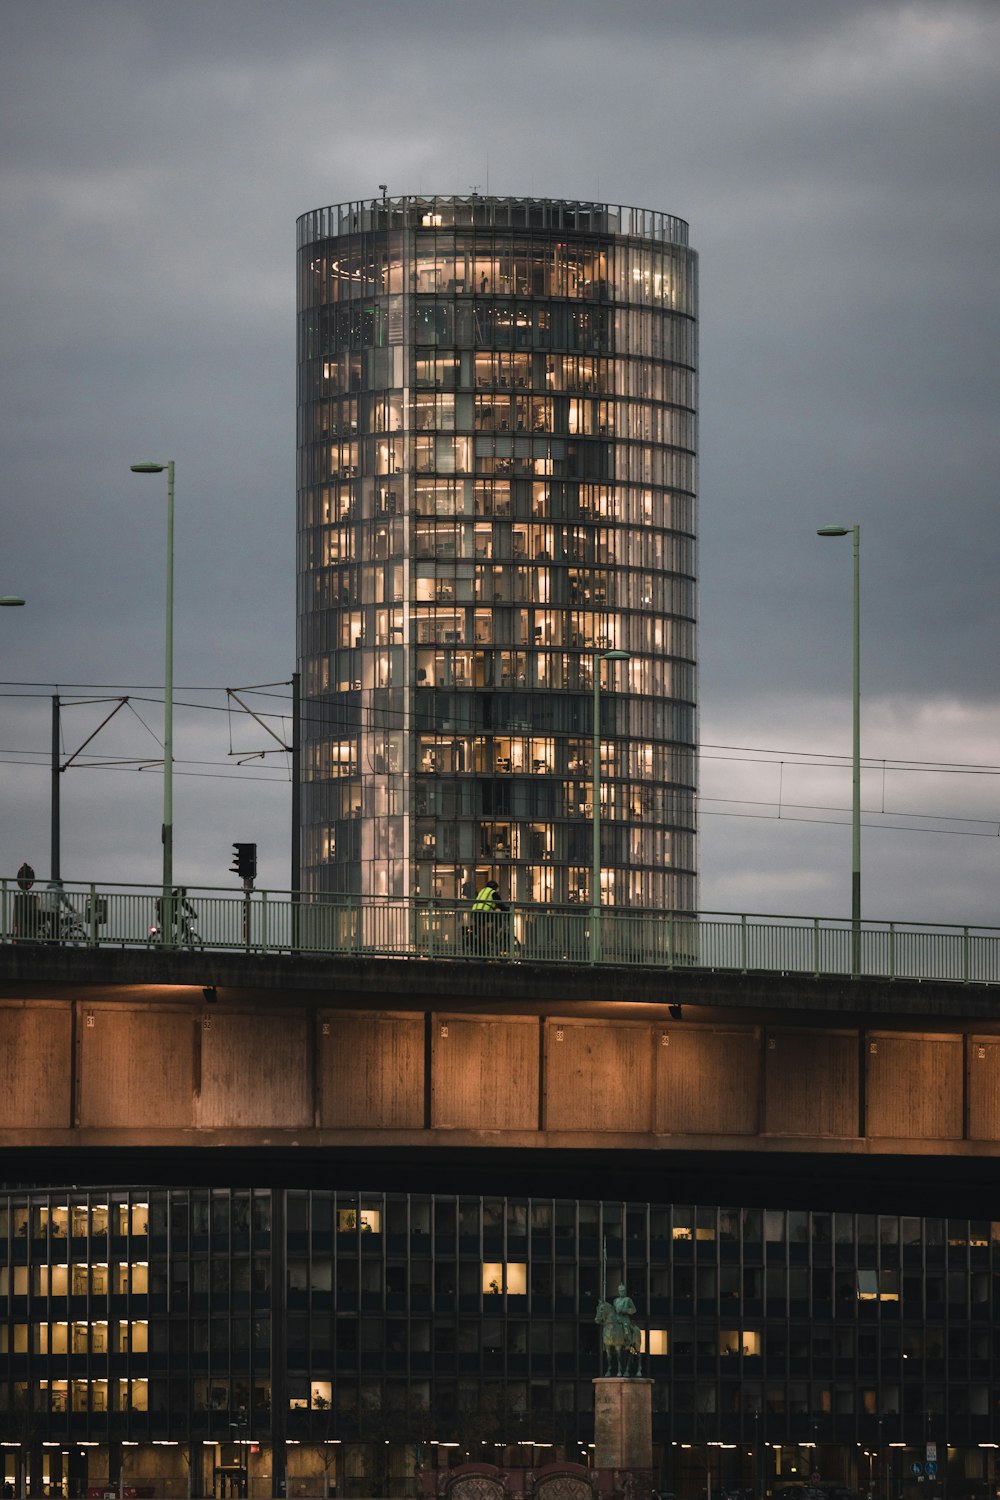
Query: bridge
[693,1055]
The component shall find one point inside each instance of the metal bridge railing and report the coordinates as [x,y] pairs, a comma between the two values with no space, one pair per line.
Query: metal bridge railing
[108,915]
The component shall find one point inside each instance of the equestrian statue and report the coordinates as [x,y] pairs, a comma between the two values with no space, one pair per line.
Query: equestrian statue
[619,1334]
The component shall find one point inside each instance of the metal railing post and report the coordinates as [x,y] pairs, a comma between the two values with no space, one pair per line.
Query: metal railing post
[965,955]
[743,945]
[264,922]
[92,900]
[816,931]
[892,950]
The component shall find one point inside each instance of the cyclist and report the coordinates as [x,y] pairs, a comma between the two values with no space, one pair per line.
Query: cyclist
[486,910]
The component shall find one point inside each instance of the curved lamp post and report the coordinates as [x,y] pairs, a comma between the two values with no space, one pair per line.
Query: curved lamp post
[595,864]
[855,532]
[167,915]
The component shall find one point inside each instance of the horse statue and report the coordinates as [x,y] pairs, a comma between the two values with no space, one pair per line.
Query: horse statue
[619,1334]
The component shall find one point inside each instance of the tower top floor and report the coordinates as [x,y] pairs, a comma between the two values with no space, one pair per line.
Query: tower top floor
[480,211]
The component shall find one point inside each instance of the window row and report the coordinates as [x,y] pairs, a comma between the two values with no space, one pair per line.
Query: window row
[77,1279]
[570,601]
[364,373]
[220,1272]
[479,265]
[564,717]
[385,459]
[77,1221]
[354,671]
[569,1222]
[135,1395]
[501,411]
[371,502]
[623,546]
[540,809]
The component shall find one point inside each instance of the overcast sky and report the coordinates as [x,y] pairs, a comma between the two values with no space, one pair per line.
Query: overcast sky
[837,163]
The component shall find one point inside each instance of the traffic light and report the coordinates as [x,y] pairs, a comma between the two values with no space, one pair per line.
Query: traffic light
[244,861]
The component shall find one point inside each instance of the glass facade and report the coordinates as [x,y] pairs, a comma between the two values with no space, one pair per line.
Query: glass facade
[496,485]
[194,1340]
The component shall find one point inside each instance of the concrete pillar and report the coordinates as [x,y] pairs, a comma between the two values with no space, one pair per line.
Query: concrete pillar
[623,1423]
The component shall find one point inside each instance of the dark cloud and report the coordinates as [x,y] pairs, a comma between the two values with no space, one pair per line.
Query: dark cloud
[837,165]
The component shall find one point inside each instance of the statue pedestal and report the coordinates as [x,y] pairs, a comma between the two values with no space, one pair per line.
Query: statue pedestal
[623,1423]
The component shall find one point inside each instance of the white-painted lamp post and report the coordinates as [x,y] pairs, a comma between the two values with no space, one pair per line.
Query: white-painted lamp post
[167,915]
[595,864]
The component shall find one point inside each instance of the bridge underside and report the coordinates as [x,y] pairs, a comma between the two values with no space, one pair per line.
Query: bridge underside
[894,1184]
[764,1089]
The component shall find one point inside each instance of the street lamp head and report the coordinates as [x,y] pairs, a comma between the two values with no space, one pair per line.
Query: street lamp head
[616,656]
[148,468]
[835,531]
[11,600]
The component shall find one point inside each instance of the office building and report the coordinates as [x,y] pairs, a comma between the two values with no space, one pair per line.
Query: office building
[179,1341]
[496,487]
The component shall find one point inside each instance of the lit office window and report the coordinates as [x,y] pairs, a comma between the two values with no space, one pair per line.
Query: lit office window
[505,1276]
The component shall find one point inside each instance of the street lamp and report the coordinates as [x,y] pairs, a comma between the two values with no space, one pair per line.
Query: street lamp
[167,915]
[595,864]
[10,599]
[855,532]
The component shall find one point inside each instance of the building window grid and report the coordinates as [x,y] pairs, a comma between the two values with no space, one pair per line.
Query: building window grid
[499,377]
[892,1350]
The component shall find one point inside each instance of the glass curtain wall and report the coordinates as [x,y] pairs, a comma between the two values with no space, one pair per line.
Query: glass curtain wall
[496,486]
[137,1325]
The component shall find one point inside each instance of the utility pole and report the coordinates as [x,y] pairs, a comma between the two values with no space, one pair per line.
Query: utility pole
[54,872]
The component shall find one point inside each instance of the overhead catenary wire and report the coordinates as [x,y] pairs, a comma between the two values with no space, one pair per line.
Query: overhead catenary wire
[744,754]
[748,754]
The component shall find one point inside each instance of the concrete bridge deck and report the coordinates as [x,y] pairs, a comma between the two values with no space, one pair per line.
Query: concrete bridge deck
[467,1076]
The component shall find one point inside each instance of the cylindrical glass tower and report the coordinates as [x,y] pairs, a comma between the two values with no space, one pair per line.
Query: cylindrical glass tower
[496,487]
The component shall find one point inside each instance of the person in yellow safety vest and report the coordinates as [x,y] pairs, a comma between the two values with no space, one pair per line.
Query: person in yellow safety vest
[485,910]
[487,899]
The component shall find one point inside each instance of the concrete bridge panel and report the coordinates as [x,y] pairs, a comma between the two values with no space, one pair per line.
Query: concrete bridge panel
[984,1088]
[915,1086]
[484,1073]
[707,1080]
[371,1071]
[255,1070]
[811,1083]
[136,1067]
[598,1076]
[36,1065]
